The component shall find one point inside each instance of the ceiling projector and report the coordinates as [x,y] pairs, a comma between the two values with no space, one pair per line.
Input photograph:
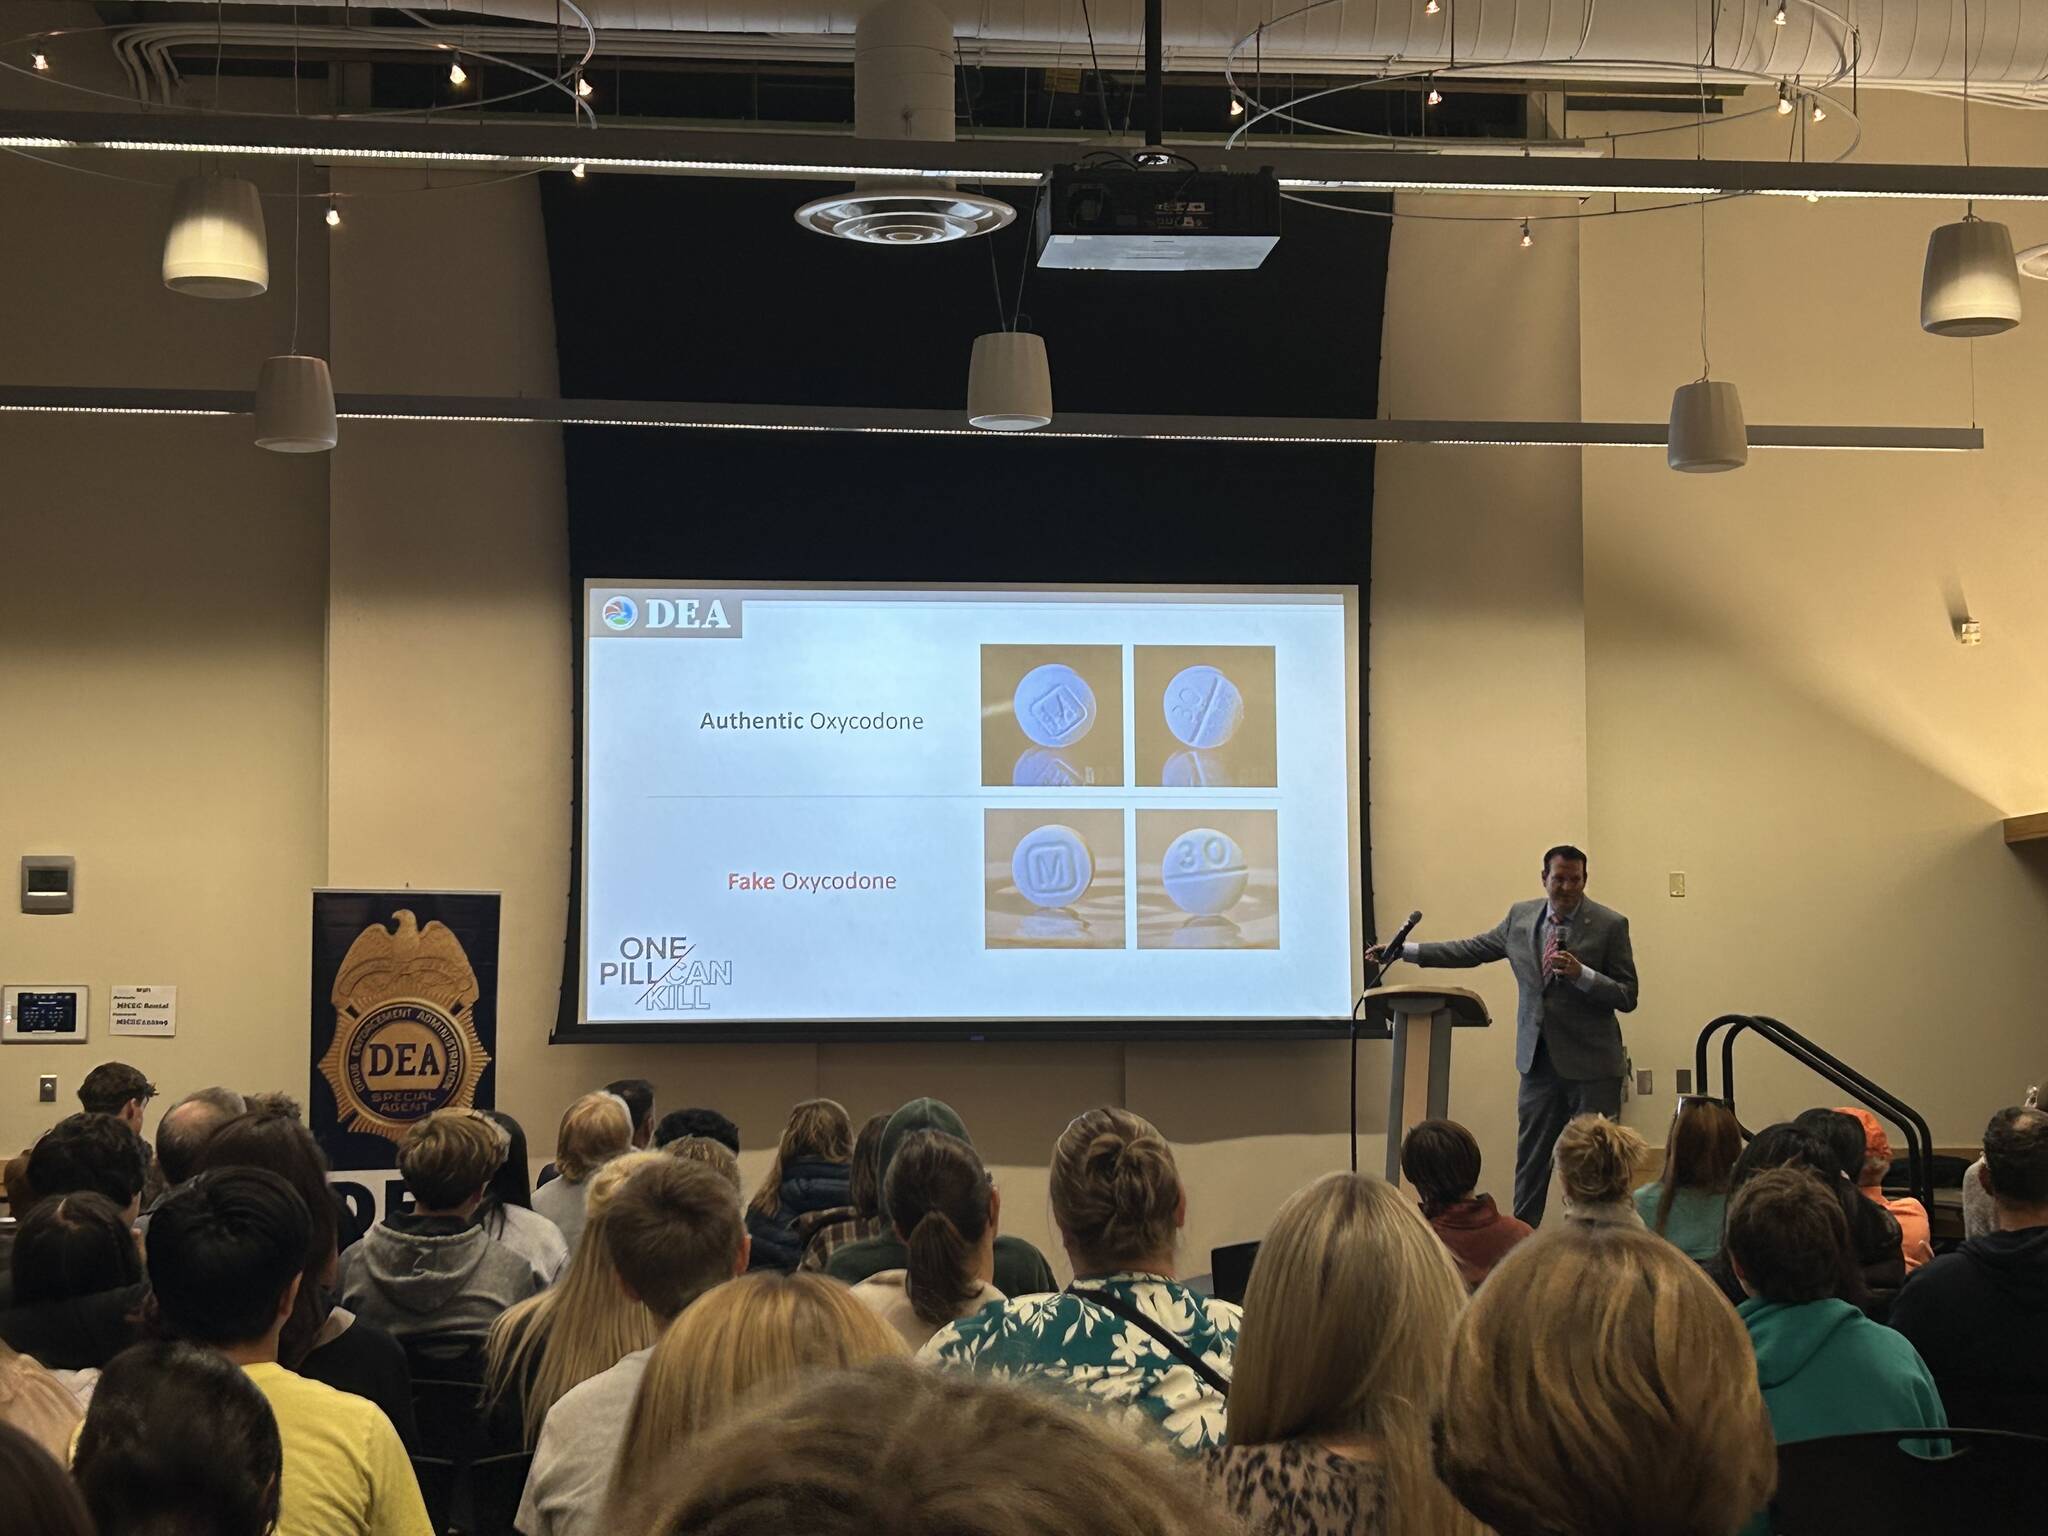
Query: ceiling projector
[1117,218]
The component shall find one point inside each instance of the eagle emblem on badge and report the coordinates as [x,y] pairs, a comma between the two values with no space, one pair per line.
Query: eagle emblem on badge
[405,1043]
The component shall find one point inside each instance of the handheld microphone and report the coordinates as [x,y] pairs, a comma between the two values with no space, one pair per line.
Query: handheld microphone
[1391,950]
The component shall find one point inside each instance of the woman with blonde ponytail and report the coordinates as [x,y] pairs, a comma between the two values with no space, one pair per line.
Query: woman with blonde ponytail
[1349,1319]
[1596,1165]
[943,1206]
[584,1324]
[1126,1337]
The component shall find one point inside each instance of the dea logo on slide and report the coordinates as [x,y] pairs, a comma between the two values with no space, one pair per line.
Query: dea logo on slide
[404,1041]
[620,612]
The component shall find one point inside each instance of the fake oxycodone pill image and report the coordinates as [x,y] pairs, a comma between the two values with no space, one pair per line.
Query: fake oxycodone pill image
[1053,877]
[1205,716]
[1208,879]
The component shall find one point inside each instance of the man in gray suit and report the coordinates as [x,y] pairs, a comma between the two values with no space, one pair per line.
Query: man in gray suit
[1575,971]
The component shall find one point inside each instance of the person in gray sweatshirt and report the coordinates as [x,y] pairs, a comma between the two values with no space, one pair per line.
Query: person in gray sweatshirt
[435,1270]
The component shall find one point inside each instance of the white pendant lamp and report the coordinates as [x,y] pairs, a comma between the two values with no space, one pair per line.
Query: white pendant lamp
[1971,285]
[216,247]
[295,405]
[1708,434]
[1009,384]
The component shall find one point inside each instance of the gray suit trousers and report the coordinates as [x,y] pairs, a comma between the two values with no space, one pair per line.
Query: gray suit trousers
[1542,1106]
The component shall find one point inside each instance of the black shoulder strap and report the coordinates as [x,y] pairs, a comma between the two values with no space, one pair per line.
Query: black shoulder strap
[1110,1302]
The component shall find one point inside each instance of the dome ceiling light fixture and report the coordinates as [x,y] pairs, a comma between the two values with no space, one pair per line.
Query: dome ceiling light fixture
[903,89]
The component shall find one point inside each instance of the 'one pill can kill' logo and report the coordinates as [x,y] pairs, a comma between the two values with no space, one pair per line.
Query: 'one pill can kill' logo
[405,1041]
[620,612]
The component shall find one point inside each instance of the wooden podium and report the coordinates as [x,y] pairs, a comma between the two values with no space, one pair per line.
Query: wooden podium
[1419,1020]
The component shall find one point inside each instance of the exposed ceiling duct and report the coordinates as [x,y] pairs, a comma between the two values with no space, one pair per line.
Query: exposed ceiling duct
[1915,44]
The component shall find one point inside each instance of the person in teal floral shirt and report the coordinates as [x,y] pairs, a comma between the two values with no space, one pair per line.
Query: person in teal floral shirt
[1125,1338]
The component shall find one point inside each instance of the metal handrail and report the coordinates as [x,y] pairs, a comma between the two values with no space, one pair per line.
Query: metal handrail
[1878,1100]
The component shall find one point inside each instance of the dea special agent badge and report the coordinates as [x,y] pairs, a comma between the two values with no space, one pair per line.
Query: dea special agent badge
[404,1042]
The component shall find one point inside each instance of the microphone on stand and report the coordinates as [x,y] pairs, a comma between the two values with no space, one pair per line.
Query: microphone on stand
[1391,950]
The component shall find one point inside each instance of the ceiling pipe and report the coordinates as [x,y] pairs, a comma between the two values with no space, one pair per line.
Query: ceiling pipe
[1909,43]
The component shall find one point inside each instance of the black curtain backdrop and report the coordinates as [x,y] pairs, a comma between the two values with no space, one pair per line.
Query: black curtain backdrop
[678,288]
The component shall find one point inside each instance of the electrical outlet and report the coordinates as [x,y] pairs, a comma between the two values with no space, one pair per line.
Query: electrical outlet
[46,1090]
[1643,1089]
[1684,1077]
[1678,882]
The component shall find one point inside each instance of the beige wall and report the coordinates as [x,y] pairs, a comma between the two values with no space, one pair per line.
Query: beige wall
[355,671]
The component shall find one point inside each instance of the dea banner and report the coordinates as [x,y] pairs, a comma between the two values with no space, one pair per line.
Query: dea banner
[404,1022]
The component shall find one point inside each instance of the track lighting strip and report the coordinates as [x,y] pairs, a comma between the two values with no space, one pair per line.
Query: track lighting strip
[694,415]
[496,145]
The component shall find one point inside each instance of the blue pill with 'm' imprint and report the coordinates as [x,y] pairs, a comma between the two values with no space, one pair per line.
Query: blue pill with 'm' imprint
[1204,871]
[1052,866]
[1054,705]
[1203,707]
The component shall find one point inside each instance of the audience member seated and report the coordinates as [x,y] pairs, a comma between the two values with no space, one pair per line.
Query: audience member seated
[1598,1385]
[824,1233]
[637,1094]
[1348,1323]
[508,1213]
[321,1341]
[38,1495]
[1021,1270]
[91,1152]
[549,1343]
[1979,1316]
[179,1441]
[1597,1161]
[1785,1145]
[673,1230]
[35,1402]
[944,1207]
[678,1123]
[594,1130]
[810,1173]
[1441,1159]
[1125,1336]
[1690,1202]
[1916,1231]
[227,1252]
[1825,1368]
[1876,1239]
[117,1089]
[747,1339]
[715,1155]
[1980,1211]
[891,1448]
[435,1270]
[185,1126]
[78,1285]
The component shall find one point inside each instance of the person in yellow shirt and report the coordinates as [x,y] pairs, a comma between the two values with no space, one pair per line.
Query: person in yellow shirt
[226,1252]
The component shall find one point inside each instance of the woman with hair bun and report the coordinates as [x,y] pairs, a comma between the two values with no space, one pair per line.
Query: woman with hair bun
[943,1206]
[1126,1337]
[1596,1163]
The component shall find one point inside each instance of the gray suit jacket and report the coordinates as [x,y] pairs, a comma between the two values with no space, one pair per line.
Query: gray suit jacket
[1584,1034]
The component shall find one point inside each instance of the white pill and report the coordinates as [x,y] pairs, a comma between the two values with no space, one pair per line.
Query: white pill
[1204,871]
[1195,770]
[1203,707]
[1054,704]
[1043,768]
[1052,866]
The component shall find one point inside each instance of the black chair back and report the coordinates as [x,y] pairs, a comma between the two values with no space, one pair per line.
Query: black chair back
[436,1476]
[1885,1483]
[1230,1270]
[496,1483]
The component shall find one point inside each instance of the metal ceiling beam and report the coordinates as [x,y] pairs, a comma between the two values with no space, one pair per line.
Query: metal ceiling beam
[707,416]
[465,143]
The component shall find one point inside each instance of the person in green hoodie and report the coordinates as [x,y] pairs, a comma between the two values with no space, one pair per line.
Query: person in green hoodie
[1021,1270]
[1825,1368]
